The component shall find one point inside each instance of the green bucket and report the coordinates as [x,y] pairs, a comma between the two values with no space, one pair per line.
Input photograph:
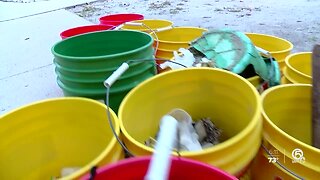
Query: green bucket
[83,63]
[102,50]
[94,76]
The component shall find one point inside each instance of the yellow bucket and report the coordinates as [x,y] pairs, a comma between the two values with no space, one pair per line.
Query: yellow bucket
[255,81]
[165,54]
[39,140]
[278,47]
[287,134]
[152,24]
[178,37]
[230,100]
[299,68]
[284,80]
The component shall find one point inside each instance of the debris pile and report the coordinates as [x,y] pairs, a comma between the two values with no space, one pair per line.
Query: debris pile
[193,135]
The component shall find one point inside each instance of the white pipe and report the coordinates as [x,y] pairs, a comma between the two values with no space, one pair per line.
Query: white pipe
[160,163]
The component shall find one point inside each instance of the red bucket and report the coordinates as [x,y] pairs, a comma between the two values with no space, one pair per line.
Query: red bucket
[84,29]
[117,19]
[181,168]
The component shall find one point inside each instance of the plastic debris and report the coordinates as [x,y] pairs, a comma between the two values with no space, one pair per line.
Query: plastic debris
[193,135]
[208,130]
[184,57]
[188,139]
[234,51]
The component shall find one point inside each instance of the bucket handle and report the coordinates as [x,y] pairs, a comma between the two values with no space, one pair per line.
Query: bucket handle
[281,165]
[153,31]
[143,24]
[163,29]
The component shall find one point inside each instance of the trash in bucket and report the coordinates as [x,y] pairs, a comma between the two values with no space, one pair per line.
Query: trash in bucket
[201,133]
[197,92]
[278,47]
[230,50]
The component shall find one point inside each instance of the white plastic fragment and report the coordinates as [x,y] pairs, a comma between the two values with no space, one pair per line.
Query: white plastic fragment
[185,57]
[188,136]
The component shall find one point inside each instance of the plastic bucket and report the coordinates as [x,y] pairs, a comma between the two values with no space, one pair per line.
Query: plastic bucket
[278,47]
[95,75]
[83,80]
[115,97]
[181,168]
[164,54]
[84,29]
[117,19]
[149,24]
[40,139]
[299,68]
[284,80]
[83,63]
[103,50]
[287,134]
[178,37]
[202,92]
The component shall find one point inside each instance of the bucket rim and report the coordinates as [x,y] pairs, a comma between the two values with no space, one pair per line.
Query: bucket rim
[108,147]
[166,50]
[63,33]
[173,159]
[287,61]
[256,118]
[268,120]
[152,19]
[120,14]
[143,28]
[275,37]
[285,73]
[180,27]
[90,58]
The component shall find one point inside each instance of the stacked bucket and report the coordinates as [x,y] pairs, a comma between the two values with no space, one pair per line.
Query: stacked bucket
[298,68]
[167,38]
[287,151]
[84,62]
[173,39]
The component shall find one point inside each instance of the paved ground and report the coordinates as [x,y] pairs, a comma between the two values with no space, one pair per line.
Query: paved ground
[294,20]
[26,69]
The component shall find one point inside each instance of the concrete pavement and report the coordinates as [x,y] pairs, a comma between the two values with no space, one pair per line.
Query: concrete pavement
[26,62]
